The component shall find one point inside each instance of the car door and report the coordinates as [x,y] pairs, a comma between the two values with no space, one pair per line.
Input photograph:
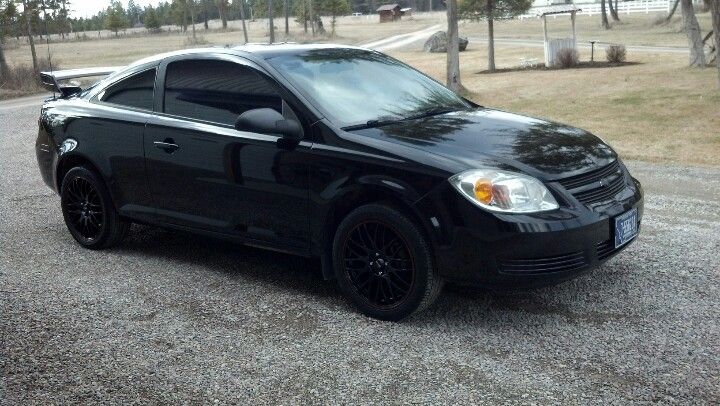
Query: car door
[114,129]
[205,174]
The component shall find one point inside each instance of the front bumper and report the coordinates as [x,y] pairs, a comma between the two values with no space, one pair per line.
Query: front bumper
[510,251]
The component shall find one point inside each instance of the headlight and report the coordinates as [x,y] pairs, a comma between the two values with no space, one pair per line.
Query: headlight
[503,191]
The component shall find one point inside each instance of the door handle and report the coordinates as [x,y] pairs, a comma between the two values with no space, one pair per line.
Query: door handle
[168,145]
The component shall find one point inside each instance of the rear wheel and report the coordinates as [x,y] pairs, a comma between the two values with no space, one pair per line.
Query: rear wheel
[88,210]
[383,263]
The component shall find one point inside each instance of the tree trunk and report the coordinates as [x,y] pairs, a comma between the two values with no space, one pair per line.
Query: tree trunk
[453,51]
[603,13]
[305,17]
[242,18]
[312,17]
[715,10]
[491,35]
[613,11]
[332,25]
[31,40]
[222,10]
[286,7]
[672,11]
[4,68]
[430,5]
[692,30]
[192,20]
[270,21]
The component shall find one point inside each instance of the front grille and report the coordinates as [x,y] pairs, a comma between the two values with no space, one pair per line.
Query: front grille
[606,249]
[597,186]
[560,263]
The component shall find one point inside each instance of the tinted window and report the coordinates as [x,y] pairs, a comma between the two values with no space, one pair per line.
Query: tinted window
[355,86]
[216,91]
[134,91]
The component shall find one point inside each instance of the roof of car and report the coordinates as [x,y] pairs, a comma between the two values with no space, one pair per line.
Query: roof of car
[262,51]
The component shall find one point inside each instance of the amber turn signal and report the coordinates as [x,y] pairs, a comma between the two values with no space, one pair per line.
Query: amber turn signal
[483,191]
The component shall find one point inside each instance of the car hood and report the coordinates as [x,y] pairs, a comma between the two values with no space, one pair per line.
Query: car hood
[484,137]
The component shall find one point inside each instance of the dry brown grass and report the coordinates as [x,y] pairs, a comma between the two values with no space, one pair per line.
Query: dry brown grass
[109,50]
[633,29]
[658,110]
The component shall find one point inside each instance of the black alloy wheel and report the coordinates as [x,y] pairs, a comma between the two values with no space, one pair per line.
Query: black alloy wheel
[378,263]
[84,209]
[88,210]
[383,263]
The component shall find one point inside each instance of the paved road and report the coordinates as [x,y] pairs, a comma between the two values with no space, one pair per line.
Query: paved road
[167,317]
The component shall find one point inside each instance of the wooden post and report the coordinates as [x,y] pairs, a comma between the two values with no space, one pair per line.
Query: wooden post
[545,41]
[572,18]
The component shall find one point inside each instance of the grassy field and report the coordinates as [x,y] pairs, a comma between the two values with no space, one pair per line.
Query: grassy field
[656,110]
[108,50]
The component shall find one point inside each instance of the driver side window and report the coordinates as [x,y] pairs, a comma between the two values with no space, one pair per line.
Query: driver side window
[217,91]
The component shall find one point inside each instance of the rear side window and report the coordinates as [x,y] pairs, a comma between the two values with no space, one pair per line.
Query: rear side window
[134,91]
[216,91]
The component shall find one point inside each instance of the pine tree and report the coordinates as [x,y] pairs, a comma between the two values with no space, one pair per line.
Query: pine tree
[152,23]
[335,8]
[115,19]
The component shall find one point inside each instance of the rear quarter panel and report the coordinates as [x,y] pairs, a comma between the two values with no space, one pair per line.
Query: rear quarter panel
[109,138]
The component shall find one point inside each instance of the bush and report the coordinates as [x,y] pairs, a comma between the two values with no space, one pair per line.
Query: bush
[615,53]
[21,79]
[567,58]
[199,40]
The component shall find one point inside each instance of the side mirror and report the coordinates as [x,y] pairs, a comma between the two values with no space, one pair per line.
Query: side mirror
[268,121]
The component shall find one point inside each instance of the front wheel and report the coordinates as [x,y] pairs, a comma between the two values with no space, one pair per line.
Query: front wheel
[383,263]
[88,210]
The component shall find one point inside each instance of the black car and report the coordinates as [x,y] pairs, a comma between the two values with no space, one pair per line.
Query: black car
[395,182]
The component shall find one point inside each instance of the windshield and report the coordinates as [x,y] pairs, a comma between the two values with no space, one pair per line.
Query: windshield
[356,87]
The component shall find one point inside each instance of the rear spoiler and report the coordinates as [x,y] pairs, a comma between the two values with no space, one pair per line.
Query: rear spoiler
[51,80]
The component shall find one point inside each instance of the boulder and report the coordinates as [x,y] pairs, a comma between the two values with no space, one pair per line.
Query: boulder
[438,43]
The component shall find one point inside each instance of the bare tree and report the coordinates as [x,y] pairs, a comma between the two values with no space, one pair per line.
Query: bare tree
[672,11]
[603,13]
[715,9]
[694,36]
[27,15]
[4,68]
[453,47]
[242,19]
[286,10]
[613,11]
[222,10]
[191,6]
[270,21]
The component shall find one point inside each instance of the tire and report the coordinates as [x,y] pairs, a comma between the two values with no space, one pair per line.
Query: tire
[383,263]
[88,210]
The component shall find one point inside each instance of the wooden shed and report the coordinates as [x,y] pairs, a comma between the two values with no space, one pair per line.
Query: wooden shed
[389,12]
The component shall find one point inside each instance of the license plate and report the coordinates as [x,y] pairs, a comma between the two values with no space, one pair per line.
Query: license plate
[625,227]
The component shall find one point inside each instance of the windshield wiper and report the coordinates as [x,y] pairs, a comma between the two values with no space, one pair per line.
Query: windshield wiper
[433,111]
[372,124]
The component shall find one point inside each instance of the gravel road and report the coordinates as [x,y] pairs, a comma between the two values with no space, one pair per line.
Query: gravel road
[168,317]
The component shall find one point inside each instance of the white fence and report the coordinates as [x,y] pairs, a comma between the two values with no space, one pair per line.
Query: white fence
[623,7]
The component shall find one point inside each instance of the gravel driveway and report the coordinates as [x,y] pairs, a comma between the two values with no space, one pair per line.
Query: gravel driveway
[168,317]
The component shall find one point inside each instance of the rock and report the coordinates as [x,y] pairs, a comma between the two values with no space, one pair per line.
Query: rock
[438,43]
